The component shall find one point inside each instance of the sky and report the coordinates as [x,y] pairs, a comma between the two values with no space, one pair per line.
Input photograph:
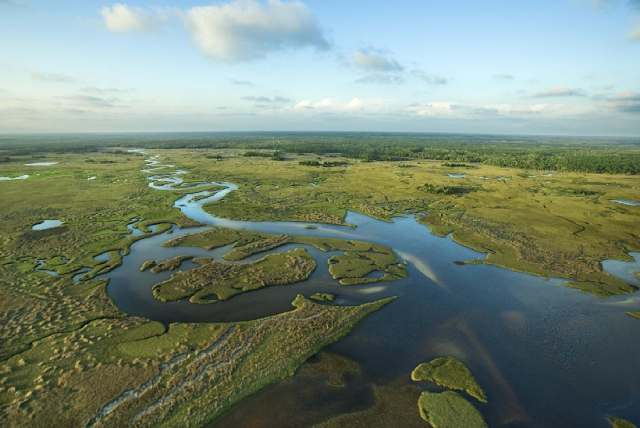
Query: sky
[546,67]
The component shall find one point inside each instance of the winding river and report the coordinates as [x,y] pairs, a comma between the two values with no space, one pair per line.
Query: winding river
[547,355]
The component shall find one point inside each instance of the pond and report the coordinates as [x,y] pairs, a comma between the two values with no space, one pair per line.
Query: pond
[623,202]
[22,177]
[46,224]
[41,164]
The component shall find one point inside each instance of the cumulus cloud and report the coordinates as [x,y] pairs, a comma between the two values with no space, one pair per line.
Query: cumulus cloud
[431,79]
[335,106]
[247,29]
[375,61]
[263,99]
[560,91]
[381,79]
[240,82]
[52,77]
[121,18]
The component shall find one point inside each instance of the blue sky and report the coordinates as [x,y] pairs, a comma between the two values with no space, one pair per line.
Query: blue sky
[562,67]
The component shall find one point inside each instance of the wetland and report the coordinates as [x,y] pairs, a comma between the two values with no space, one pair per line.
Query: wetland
[473,281]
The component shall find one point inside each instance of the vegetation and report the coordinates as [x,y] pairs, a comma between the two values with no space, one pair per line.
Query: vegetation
[635,314]
[209,239]
[323,297]
[452,374]
[449,410]
[395,407]
[171,264]
[225,281]
[570,154]
[130,371]
[455,165]
[443,190]
[523,223]
[360,260]
[71,358]
[353,267]
[331,366]
[148,264]
[621,423]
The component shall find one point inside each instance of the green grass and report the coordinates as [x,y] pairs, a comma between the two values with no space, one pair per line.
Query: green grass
[225,281]
[322,297]
[208,239]
[147,265]
[170,264]
[361,258]
[67,378]
[353,268]
[449,410]
[67,350]
[452,374]
[621,423]
[635,314]
[525,224]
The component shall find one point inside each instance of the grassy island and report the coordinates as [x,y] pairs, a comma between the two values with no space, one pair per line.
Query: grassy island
[621,423]
[225,281]
[452,374]
[449,410]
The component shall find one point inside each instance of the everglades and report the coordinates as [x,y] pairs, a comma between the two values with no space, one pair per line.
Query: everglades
[319,214]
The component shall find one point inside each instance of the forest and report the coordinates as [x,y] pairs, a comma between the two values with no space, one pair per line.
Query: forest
[571,154]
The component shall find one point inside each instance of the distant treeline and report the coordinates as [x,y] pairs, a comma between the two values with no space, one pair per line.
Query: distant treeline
[597,155]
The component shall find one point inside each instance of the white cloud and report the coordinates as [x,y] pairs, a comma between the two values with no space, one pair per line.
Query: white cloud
[246,29]
[335,106]
[354,104]
[560,91]
[454,110]
[375,61]
[121,18]
[306,104]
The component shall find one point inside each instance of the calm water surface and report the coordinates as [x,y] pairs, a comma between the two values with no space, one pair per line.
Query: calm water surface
[46,224]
